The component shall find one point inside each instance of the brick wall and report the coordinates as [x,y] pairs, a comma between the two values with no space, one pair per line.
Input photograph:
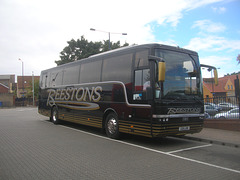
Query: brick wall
[225,124]
[7,100]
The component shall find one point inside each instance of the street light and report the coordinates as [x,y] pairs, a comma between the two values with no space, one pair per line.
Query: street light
[33,86]
[109,44]
[22,79]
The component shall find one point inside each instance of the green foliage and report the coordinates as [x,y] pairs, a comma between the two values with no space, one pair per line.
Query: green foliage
[82,48]
[30,89]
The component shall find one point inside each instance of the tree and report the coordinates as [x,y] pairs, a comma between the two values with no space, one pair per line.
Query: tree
[78,50]
[81,48]
[105,45]
[238,58]
[30,89]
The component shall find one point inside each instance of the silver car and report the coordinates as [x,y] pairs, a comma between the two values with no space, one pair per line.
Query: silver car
[232,114]
[226,106]
[211,110]
[214,105]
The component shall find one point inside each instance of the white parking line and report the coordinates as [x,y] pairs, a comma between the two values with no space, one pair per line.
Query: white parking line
[25,109]
[156,151]
[186,149]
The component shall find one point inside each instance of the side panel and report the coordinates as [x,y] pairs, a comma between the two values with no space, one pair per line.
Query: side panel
[138,122]
[87,104]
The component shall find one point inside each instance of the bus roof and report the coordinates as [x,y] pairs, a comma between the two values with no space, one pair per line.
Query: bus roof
[129,48]
[151,45]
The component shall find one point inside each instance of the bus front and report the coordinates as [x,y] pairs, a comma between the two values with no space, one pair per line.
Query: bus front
[178,106]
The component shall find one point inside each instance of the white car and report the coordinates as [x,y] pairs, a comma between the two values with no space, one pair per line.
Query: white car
[214,105]
[226,106]
[211,110]
[232,114]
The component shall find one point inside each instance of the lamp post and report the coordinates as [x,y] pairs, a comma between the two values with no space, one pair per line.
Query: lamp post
[22,79]
[109,33]
[33,86]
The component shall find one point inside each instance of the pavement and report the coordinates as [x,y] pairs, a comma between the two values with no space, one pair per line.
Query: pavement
[217,136]
[33,148]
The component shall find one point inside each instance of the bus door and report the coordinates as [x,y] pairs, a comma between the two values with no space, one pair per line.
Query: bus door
[141,113]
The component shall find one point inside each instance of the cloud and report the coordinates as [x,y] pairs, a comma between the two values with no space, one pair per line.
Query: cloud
[224,64]
[209,26]
[213,43]
[37,31]
[215,60]
[193,4]
[219,10]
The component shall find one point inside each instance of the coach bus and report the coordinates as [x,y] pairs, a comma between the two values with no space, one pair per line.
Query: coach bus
[151,90]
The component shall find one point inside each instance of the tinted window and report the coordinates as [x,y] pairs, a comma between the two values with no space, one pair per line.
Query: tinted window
[141,58]
[117,68]
[138,80]
[182,73]
[90,72]
[56,78]
[71,75]
[142,79]
[44,80]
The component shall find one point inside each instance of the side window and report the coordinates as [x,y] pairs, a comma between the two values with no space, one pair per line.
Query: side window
[117,68]
[90,72]
[138,81]
[142,79]
[44,80]
[56,78]
[141,58]
[71,75]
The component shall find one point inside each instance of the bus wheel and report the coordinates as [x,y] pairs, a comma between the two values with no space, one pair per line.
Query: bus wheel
[54,116]
[112,126]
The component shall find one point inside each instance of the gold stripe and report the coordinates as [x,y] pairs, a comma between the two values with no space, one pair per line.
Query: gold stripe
[84,119]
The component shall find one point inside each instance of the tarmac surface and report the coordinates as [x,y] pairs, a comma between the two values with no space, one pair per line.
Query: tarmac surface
[217,136]
[31,147]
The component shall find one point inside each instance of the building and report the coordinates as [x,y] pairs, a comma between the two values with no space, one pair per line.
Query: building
[224,89]
[7,88]
[3,88]
[11,93]
[7,81]
[24,85]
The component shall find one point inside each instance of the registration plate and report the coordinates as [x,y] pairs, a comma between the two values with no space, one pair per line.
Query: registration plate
[184,128]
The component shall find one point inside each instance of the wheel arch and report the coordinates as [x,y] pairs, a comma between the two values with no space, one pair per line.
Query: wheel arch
[105,114]
[51,111]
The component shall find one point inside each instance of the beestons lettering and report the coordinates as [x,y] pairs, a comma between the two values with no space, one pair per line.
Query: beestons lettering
[183,110]
[74,94]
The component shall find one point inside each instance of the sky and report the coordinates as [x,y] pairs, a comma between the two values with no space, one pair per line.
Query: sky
[36,31]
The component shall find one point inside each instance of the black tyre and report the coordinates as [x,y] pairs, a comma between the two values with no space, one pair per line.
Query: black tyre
[222,117]
[54,116]
[112,126]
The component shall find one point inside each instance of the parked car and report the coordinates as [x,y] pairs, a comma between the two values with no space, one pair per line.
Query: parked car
[216,106]
[226,106]
[206,115]
[211,110]
[232,114]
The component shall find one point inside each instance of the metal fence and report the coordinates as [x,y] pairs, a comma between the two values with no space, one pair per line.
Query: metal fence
[25,102]
[222,107]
